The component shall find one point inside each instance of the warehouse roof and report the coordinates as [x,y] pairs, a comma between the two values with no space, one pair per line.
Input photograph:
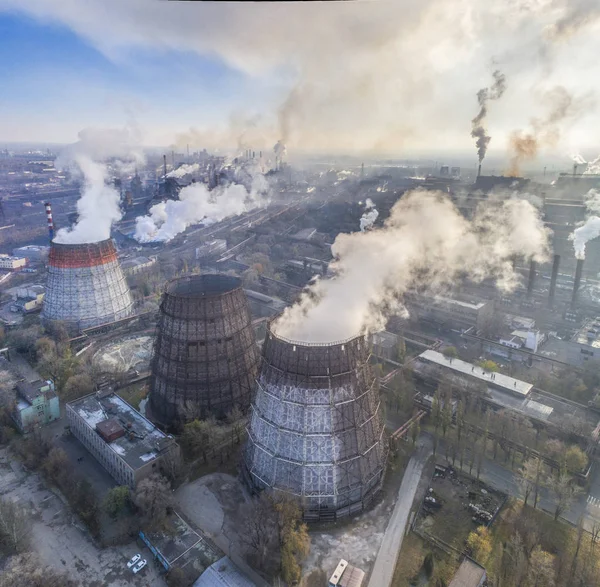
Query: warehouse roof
[223,573]
[469,574]
[498,380]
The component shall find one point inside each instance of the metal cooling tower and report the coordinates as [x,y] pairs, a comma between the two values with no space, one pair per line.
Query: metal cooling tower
[316,429]
[85,286]
[205,354]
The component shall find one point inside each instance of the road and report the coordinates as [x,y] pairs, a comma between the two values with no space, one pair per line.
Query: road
[385,563]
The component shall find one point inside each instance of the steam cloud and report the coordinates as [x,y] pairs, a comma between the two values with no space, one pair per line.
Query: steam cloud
[99,204]
[483,97]
[561,106]
[374,269]
[367,220]
[578,159]
[183,170]
[98,207]
[593,167]
[591,228]
[197,204]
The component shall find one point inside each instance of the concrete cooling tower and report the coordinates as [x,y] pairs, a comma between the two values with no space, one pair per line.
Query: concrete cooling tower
[316,429]
[85,286]
[205,354]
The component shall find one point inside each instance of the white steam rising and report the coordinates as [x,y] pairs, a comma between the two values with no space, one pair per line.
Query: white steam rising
[367,220]
[578,159]
[591,228]
[99,204]
[197,204]
[98,207]
[593,167]
[425,243]
[184,170]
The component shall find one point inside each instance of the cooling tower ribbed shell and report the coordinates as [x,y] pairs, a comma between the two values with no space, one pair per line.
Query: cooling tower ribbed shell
[85,286]
[205,354]
[316,428]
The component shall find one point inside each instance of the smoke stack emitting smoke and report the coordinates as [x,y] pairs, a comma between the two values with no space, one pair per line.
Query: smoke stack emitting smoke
[374,269]
[483,96]
[591,228]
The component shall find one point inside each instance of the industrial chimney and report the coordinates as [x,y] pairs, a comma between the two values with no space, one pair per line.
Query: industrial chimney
[316,430]
[165,166]
[50,221]
[479,170]
[553,278]
[85,286]
[531,280]
[574,169]
[578,271]
[205,354]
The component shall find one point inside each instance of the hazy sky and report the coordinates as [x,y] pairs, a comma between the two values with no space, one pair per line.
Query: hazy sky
[399,76]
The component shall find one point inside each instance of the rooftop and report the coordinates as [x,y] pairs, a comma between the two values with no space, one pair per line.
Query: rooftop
[497,380]
[142,441]
[589,333]
[30,390]
[469,574]
[223,573]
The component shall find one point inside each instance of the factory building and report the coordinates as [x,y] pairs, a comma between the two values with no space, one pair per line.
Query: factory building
[12,263]
[36,405]
[86,286]
[205,355]
[125,443]
[449,312]
[137,265]
[316,429]
[29,299]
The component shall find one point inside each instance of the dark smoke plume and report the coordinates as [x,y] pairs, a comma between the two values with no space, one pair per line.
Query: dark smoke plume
[483,96]
[524,146]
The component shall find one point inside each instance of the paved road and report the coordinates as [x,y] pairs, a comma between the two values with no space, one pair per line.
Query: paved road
[385,563]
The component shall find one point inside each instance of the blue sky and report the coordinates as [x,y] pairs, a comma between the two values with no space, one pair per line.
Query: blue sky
[55,83]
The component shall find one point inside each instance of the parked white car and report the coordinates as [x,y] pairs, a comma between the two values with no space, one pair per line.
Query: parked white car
[134,560]
[139,566]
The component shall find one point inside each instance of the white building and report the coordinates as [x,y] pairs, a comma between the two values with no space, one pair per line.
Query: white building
[12,263]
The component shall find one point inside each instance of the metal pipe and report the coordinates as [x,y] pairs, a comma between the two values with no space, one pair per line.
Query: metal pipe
[531,279]
[578,271]
[553,279]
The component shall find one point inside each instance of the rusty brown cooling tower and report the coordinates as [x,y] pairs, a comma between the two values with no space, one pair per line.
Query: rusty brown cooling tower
[205,355]
[85,286]
[577,283]
[316,431]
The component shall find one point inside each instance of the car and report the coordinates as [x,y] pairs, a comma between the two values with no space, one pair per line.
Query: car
[134,560]
[139,566]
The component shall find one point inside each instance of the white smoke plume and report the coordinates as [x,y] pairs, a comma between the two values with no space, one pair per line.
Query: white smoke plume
[367,220]
[98,207]
[590,229]
[196,204]
[578,159]
[426,244]
[593,167]
[183,170]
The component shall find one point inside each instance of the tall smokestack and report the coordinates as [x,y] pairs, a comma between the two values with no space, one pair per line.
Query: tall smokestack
[553,279]
[50,221]
[574,169]
[253,154]
[479,170]
[578,272]
[531,279]
[165,165]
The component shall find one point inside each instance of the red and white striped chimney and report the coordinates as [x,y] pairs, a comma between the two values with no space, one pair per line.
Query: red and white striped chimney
[50,221]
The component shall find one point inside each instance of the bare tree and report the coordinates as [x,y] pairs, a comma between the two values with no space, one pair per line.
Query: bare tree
[15,527]
[153,497]
[541,571]
[27,570]
[564,490]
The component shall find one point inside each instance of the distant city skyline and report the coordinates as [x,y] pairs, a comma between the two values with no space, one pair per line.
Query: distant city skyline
[370,77]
